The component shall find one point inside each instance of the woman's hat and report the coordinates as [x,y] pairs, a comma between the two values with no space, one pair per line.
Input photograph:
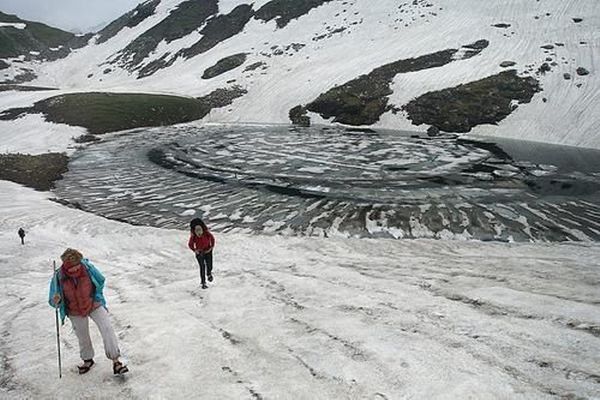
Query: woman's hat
[68,253]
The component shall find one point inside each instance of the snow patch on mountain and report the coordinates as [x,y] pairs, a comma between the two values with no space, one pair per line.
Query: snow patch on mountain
[33,140]
[15,25]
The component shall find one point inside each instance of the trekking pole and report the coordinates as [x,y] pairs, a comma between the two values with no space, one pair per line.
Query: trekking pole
[57,327]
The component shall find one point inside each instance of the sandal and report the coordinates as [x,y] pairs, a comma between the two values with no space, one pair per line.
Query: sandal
[119,368]
[87,365]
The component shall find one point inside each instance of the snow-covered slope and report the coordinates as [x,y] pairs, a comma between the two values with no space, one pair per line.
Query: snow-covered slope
[332,42]
[297,318]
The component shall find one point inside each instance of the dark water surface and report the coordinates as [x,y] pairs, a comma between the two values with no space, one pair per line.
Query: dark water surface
[330,181]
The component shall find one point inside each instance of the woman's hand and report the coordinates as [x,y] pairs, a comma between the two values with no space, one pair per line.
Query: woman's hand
[56,299]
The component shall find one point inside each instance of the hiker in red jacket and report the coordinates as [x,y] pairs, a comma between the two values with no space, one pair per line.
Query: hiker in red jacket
[202,243]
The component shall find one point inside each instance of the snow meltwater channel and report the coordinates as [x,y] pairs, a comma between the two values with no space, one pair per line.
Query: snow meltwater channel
[325,181]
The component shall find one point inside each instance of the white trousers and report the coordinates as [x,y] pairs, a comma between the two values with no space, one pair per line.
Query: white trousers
[82,330]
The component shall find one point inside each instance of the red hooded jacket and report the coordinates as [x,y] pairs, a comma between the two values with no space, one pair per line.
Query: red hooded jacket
[202,243]
[78,291]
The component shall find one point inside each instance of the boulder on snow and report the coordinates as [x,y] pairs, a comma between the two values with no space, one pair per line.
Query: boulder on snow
[298,116]
[222,97]
[255,66]
[433,131]
[545,67]
[582,71]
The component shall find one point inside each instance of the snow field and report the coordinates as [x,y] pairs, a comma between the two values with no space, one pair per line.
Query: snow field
[301,318]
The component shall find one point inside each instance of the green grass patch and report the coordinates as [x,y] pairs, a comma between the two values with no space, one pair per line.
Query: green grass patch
[38,172]
[24,88]
[486,101]
[363,100]
[110,112]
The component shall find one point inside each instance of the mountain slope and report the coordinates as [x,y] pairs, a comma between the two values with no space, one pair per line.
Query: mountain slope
[34,40]
[305,49]
[128,20]
[22,40]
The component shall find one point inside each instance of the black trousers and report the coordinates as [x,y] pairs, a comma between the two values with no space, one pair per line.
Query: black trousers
[205,261]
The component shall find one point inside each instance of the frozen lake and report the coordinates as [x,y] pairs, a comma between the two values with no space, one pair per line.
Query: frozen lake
[332,181]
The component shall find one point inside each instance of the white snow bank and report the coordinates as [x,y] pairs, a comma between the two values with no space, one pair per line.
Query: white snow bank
[33,135]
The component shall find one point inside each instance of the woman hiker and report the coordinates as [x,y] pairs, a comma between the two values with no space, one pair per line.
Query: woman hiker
[77,289]
[202,243]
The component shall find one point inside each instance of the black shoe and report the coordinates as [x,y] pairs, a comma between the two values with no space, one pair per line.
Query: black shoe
[210,278]
[204,286]
[87,365]
[119,368]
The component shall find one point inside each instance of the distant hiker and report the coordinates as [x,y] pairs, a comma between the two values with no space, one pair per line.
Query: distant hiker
[202,243]
[77,289]
[22,235]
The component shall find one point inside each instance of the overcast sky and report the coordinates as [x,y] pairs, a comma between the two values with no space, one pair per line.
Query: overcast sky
[79,15]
